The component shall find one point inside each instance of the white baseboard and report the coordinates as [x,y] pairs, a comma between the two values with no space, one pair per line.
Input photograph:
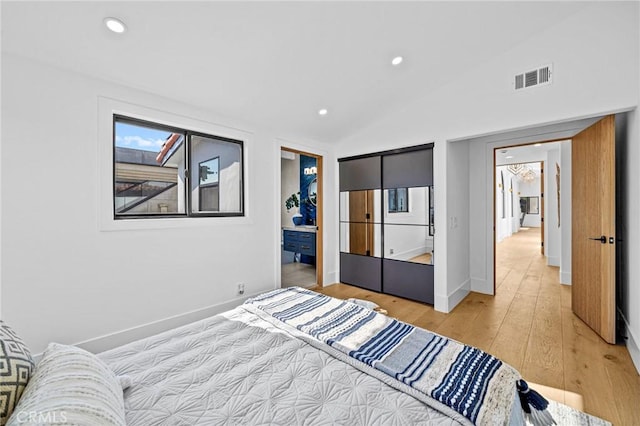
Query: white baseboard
[451,301]
[632,343]
[119,338]
[458,294]
[331,278]
[441,303]
[408,254]
[553,261]
[565,277]
[481,285]
[447,303]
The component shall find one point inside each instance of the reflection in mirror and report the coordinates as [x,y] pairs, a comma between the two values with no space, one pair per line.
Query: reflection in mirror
[432,229]
[410,243]
[361,238]
[360,206]
[529,205]
[417,201]
[313,191]
[398,200]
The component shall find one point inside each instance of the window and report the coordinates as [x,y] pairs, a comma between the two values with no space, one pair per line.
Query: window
[529,205]
[162,171]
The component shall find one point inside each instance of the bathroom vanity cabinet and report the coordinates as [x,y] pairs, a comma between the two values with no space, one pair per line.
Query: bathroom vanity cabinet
[301,241]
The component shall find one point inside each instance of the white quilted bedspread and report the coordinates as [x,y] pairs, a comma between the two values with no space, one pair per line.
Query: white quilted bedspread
[236,368]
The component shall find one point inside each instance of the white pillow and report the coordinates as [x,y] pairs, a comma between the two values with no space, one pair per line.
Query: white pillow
[70,386]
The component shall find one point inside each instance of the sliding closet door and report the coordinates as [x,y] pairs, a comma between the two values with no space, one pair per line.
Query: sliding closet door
[360,224]
[407,269]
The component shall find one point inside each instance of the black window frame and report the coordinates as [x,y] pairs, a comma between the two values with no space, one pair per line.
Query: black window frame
[187,134]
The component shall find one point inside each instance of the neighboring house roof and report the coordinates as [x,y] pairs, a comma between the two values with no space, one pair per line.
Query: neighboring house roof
[135,156]
[166,152]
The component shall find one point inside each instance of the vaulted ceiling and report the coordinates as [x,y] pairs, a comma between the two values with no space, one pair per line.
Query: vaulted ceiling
[276,64]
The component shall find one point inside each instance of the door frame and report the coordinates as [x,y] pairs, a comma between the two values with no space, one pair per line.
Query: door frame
[542,247]
[495,195]
[319,213]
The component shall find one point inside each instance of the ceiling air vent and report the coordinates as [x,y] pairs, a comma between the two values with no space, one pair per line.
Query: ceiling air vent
[537,77]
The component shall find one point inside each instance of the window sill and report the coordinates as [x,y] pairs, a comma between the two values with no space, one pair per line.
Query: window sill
[110,224]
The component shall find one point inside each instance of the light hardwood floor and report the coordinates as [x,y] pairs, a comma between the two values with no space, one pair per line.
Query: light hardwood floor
[529,324]
[423,258]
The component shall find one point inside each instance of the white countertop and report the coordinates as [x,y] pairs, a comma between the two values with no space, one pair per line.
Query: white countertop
[301,228]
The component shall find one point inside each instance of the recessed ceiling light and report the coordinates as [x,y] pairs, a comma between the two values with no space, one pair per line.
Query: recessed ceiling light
[397,61]
[509,157]
[115,25]
[538,144]
[323,111]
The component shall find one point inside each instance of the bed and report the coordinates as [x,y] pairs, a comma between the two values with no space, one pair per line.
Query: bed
[286,357]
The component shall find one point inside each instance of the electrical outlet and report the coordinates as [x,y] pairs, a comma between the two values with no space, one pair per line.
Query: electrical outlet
[240,288]
[453,222]
[391,251]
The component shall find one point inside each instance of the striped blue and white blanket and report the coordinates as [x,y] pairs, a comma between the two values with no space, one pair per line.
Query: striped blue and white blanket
[469,381]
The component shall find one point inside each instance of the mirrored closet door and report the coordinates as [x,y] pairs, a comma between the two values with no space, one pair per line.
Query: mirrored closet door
[386,222]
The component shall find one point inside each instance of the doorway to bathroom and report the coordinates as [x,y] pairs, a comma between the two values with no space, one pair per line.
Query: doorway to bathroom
[300,218]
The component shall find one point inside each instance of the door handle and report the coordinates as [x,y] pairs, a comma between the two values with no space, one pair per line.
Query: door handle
[602,239]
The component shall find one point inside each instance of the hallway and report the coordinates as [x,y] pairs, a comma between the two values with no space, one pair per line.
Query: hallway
[529,325]
[549,344]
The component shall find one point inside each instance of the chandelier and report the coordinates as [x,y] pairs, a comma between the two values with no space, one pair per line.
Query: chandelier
[523,171]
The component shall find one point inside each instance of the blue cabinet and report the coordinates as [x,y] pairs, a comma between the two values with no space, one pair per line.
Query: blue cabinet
[300,242]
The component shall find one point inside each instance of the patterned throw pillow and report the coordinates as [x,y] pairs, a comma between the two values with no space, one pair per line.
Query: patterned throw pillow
[16,367]
[73,387]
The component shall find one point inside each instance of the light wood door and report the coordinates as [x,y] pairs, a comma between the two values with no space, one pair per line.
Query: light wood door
[361,222]
[593,227]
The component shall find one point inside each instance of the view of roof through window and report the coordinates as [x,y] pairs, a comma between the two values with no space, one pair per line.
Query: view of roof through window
[144,182]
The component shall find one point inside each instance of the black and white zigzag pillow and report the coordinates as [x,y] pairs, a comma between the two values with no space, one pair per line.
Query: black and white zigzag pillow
[16,367]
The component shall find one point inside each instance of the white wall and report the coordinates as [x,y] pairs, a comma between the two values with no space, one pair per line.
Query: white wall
[1,181]
[64,277]
[461,207]
[552,237]
[628,230]
[505,227]
[464,108]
